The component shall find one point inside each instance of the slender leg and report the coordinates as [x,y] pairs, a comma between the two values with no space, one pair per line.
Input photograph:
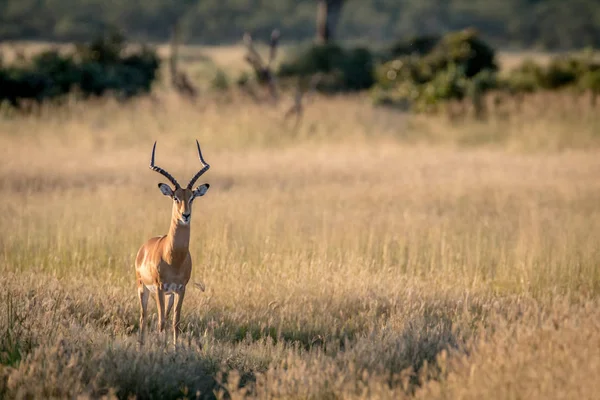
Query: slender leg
[160,303]
[143,296]
[170,305]
[177,314]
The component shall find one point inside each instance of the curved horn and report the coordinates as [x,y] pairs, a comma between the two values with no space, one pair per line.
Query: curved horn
[162,171]
[203,170]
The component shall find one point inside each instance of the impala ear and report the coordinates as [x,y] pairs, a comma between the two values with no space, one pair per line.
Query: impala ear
[165,189]
[201,190]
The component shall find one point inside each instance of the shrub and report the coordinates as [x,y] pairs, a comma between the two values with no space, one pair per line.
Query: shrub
[561,72]
[449,68]
[590,81]
[408,68]
[103,66]
[17,83]
[342,69]
[525,78]
[463,49]
[448,84]
[418,45]
[60,72]
[460,65]
[357,68]
[220,81]
[317,58]
[480,84]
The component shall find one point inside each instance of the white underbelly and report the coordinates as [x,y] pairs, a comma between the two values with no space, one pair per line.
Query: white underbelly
[168,288]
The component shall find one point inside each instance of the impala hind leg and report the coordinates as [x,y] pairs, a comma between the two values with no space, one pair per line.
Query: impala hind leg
[170,305]
[180,295]
[143,294]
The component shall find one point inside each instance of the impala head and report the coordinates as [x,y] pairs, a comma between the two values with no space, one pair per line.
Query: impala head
[182,197]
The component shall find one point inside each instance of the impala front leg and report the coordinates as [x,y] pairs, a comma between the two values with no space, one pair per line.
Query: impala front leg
[177,314]
[143,296]
[160,304]
[169,305]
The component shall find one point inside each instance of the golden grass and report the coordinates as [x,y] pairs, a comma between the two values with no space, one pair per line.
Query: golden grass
[367,255]
[544,121]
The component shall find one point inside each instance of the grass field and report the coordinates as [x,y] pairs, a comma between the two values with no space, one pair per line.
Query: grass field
[369,254]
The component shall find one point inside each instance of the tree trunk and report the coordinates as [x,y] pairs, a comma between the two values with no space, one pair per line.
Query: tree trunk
[179,79]
[328,15]
[174,56]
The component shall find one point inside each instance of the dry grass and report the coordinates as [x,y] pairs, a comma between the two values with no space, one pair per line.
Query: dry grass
[544,121]
[367,255]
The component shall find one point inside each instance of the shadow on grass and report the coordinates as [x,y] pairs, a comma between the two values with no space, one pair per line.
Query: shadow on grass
[76,352]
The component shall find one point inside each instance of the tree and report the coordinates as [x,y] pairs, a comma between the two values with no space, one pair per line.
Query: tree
[328,15]
[179,79]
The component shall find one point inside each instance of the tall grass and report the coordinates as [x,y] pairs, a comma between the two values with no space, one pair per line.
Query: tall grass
[361,256]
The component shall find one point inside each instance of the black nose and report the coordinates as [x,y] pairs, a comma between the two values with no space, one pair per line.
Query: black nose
[185,216]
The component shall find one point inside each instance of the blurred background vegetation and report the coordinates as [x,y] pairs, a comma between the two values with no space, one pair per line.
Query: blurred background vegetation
[419,55]
[507,23]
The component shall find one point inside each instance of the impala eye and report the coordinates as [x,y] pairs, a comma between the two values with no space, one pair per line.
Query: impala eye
[176,199]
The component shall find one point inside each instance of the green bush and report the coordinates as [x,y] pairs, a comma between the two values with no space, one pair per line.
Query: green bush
[342,69]
[17,83]
[452,67]
[480,84]
[418,45]
[525,78]
[316,58]
[408,68]
[459,65]
[101,67]
[60,72]
[464,49]
[561,72]
[219,81]
[590,81]
[448,84]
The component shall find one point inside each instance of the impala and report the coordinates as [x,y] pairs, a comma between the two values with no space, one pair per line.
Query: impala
[163,265]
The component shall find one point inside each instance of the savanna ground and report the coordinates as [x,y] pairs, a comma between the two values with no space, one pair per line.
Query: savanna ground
[368,254]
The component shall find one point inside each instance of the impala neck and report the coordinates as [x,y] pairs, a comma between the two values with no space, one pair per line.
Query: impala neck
[177,241]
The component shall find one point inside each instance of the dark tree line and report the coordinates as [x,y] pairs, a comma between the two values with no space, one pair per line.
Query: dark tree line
[550,24]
